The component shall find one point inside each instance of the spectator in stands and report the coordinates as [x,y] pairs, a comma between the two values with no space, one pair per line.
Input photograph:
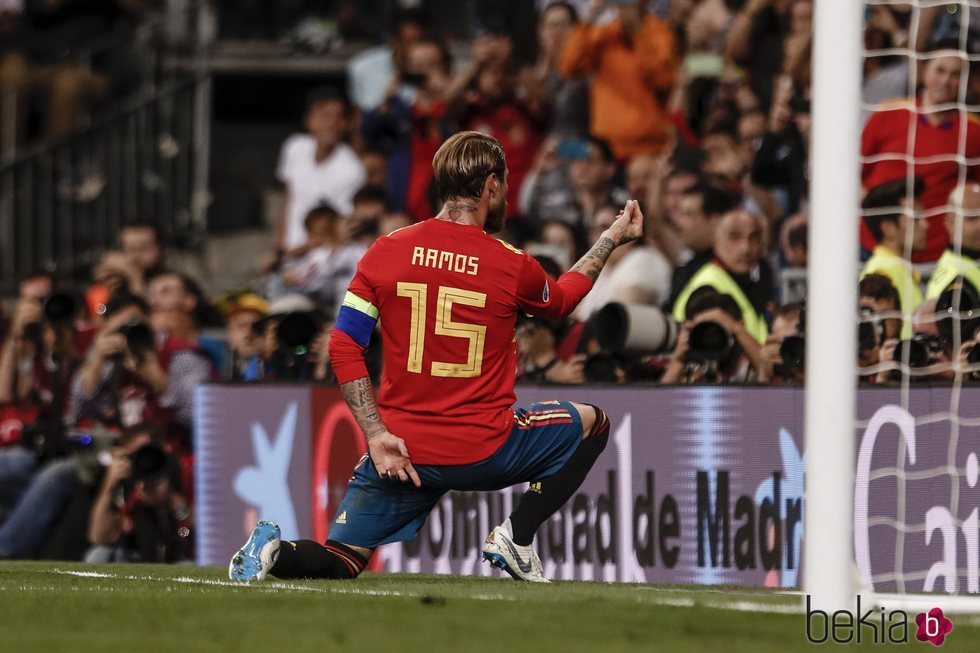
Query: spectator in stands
[369,207]
[890,219]
[763,32]
[116,274]
[739,357]
[491,95]
[886,135]
[736,270]
[242,311]
[780,161]
[179,310]
[579,183]
[696,220]
[562,242]
[885,77]
[370,72]
[139,513]
[634,273]
[324,266]
[142,244]
[317,166]
[568,99]
[633,63]
[410,131]
[793,240]
[963,218]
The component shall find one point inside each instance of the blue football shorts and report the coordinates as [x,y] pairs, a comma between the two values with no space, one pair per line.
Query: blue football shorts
[378,511]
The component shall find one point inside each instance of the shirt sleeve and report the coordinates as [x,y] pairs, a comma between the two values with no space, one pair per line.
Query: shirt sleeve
[541,296]
[355,324]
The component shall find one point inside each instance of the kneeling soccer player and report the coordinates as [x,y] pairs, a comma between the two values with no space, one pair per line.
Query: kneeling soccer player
[448,294]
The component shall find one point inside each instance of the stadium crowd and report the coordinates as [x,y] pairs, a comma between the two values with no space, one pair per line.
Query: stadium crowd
[698,108]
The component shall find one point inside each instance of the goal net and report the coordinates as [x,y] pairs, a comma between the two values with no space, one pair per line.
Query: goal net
[892,457]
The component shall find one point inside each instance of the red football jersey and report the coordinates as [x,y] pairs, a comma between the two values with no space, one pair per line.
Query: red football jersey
[447,296]
[888,136]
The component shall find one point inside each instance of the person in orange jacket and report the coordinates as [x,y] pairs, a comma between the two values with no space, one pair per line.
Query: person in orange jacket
[633,63]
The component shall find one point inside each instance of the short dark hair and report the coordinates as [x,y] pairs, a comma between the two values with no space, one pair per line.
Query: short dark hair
[714,200]
[322,210]
[124,300]
[445,55]
[410,16]
[706,298]
[326,94]
[141,223]
[878,287]
[601,144]
[792,309]
[884,196]
[561,4]
[370,193]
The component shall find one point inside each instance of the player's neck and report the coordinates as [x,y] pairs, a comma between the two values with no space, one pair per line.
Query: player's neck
[463,211]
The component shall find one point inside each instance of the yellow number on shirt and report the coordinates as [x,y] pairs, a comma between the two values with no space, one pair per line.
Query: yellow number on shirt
[416,338]
[475,334]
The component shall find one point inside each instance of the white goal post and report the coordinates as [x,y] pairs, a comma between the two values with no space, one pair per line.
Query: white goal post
[831,369]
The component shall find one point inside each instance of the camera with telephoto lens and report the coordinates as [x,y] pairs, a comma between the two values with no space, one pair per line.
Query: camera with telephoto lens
[973,358]
[871,330]
[139,337]
[59,310]
[921,350]
[958,304]
[297,330]
[634,328]
[709,342]
[792,351]
[149,463]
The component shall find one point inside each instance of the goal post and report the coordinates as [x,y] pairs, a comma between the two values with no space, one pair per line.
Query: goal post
[831,369]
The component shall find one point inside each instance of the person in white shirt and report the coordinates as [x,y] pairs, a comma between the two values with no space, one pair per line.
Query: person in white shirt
[317,167]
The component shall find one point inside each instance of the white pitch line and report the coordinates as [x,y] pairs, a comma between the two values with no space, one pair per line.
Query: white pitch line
[267,586]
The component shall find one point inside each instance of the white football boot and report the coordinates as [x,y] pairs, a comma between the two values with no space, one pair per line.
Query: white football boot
[521,562]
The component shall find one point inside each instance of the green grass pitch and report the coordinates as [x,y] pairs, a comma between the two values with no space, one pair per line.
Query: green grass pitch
[54,606]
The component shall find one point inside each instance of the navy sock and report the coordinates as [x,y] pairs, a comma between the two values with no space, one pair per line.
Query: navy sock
[309,559]
[545,497]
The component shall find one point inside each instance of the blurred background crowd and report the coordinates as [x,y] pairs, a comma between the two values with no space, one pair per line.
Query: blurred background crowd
[120,234]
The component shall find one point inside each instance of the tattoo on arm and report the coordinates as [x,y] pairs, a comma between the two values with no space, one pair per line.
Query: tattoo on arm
[591,264]
[359,396]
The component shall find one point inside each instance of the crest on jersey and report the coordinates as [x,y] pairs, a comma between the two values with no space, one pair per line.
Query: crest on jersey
[546,293]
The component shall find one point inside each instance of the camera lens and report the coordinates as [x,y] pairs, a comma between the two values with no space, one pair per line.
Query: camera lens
[138,336]
[297,330]
[59,308]
[793,351]
[709,342]
[149,462]
[914,351]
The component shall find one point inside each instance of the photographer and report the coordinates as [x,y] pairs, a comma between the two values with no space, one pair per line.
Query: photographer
[881,323]
[714,345]
[133,375]
[536,347]
[36,363]
[139,513]
[783,351]
[737,270]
